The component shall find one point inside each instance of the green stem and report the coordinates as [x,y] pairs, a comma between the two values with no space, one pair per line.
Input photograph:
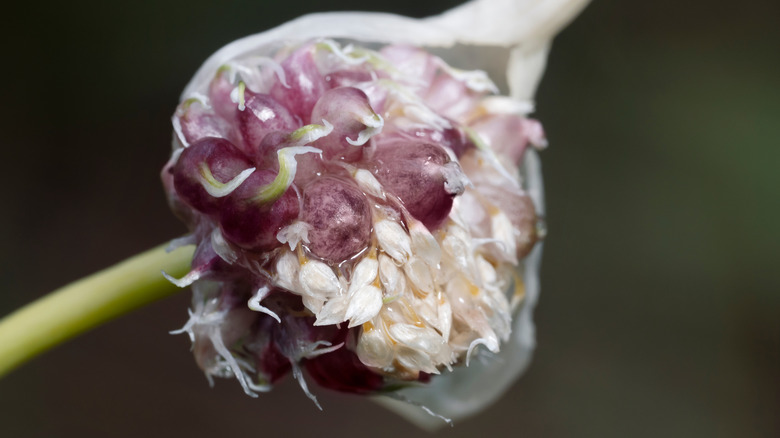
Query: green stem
[87,303]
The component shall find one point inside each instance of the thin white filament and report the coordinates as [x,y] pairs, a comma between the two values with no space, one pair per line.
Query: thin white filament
[374,124]
[185,281]
[254,303]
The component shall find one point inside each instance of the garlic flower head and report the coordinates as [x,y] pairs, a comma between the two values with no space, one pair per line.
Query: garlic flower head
[365,210]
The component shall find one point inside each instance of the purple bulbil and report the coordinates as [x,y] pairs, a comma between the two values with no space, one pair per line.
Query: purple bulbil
[340,219]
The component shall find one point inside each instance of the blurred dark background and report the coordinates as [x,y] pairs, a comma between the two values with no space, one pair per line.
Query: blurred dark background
[659,313]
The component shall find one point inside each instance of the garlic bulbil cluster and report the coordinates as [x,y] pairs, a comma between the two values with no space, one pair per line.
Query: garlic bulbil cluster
[359,214]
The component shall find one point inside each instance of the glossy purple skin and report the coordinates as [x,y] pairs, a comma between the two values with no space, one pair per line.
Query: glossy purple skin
[273,365]
[263,114]
[338,106]
[453,138]
[251,224]
[340,219]
[223,159]
[412,172]
[306,84]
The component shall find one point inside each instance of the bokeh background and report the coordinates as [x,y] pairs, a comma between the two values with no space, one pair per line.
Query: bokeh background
[660,308]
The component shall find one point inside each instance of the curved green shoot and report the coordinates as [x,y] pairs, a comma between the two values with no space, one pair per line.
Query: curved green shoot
[87,303]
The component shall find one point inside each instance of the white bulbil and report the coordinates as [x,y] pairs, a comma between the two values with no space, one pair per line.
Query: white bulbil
[334,311]
[318,280]
[418,270]
[364,304]
[392,278]
[287,267]
[424,245]
[393,240]
[374,348]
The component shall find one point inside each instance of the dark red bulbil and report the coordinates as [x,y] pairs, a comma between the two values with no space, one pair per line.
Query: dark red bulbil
[340,218]
[224,160]
[251,223]
[412,171]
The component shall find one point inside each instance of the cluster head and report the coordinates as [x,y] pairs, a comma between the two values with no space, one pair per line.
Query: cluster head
[358,214]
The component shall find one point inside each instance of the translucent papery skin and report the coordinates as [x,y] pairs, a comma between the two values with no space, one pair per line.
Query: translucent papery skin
[388,233]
